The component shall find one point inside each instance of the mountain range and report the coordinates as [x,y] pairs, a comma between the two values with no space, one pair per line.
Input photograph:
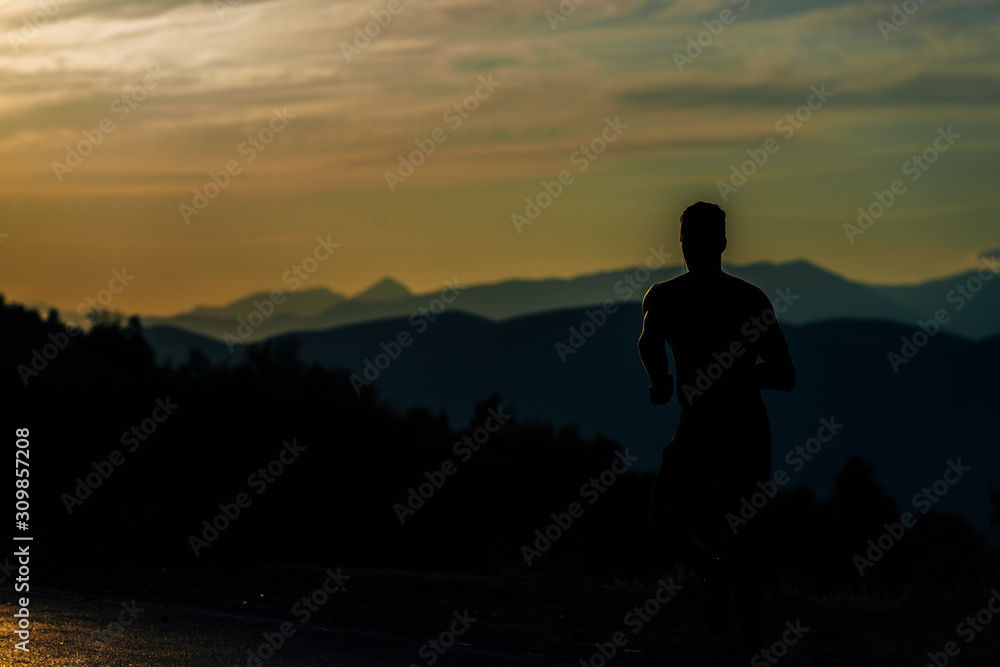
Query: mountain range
[909,404]
[908,418]
[818,295]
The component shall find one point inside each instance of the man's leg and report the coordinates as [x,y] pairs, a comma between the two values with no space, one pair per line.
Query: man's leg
[718,577]
[678,517]
[680,513]
[688,490]
[751,464]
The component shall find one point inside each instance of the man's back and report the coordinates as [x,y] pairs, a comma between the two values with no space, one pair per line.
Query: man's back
[716,325]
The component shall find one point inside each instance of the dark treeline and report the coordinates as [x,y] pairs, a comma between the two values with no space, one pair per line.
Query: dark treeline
[191,437]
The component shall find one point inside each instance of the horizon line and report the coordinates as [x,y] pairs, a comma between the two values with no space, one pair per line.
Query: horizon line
[43,307]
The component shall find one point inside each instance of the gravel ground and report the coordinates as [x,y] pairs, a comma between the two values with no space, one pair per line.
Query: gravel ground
[380,618]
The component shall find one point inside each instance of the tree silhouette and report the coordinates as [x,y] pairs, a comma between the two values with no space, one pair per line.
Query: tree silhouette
[361,458]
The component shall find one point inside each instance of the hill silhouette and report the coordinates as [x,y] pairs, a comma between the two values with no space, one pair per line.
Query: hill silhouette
[386,289]
[600,388]
[821,295]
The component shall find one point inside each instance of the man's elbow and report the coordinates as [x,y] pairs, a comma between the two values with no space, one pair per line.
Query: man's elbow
[644,354]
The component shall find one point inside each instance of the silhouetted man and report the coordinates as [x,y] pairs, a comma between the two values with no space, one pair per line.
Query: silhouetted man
[716,325]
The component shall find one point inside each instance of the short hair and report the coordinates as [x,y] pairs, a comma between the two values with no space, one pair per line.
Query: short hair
[703,222]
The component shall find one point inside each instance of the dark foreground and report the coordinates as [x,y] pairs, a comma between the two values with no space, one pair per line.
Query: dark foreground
[389,618]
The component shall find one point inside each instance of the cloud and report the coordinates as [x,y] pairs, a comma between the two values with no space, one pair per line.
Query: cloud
[226,73]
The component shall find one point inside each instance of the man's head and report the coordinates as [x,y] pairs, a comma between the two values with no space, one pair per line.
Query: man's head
[703,235]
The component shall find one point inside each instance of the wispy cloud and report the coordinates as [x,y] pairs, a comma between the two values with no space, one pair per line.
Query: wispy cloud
[226,69]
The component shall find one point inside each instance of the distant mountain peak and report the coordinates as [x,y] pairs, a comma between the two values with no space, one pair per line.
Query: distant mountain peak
[386,289]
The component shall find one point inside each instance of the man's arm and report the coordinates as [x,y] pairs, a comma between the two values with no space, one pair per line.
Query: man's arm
[653,355]
[776,371]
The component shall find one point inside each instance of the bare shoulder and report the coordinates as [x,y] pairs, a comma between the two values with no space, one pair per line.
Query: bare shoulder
[747,292]
[660,293]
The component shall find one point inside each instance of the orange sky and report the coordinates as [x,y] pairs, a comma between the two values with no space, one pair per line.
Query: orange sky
[162,95]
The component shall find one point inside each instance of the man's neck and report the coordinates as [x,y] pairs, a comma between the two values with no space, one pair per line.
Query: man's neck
[710,270]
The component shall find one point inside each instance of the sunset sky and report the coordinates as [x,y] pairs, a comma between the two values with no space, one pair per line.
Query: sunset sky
[159,94]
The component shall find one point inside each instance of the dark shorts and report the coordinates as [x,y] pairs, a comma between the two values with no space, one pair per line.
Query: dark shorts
[710,473]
